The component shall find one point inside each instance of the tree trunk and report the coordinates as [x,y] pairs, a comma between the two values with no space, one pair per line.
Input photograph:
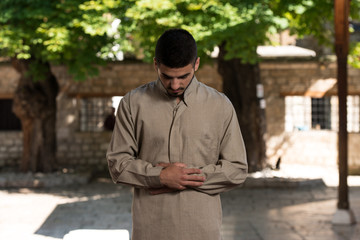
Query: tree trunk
[35,105]
[240,86]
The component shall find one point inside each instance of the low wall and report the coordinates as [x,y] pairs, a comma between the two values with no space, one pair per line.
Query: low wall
[10,148]
[82,149]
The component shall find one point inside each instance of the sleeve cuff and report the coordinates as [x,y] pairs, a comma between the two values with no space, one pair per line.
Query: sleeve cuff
[153,178]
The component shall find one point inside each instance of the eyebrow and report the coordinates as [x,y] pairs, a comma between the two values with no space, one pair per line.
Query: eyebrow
[169,77]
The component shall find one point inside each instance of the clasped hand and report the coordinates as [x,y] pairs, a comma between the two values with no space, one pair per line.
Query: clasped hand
[176,176]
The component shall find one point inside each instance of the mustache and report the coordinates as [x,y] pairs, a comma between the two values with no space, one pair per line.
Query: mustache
[181,88]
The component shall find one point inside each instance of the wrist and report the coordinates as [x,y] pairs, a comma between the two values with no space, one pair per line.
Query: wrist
[161,177]
[153,180]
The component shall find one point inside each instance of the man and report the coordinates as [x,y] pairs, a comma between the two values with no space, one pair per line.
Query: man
[178,143]
[109,122]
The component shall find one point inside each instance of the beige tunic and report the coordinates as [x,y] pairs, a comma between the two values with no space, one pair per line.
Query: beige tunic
[201,131]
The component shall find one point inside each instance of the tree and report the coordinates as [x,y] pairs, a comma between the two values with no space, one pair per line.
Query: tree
[236,28]
[36,34]
[316,18]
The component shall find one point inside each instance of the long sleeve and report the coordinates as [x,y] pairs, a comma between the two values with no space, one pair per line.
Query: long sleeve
[124,166]
[231,169]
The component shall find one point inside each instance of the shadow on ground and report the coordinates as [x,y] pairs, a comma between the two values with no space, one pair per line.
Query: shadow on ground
[98,205]
[247,212]
[108,213]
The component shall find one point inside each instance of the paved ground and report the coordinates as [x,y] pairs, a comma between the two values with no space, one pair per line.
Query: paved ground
[275,213]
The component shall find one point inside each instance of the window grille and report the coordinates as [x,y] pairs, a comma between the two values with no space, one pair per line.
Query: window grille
[320,113]
[93,113]
[304,113]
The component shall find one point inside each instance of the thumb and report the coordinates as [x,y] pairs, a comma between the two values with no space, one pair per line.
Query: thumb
[178,164]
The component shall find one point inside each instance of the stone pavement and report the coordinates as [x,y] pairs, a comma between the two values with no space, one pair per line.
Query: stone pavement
[249,213]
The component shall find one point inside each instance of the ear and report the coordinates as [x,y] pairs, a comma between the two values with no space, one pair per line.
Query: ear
[155,64]
[197,64]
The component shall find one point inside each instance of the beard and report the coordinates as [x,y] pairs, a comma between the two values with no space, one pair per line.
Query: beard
[175,93]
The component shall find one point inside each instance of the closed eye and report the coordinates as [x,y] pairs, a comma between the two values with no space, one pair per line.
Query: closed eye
[184,76]
[167,77]
[180,77]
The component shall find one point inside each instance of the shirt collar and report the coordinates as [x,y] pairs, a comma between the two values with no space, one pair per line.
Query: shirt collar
[190,89]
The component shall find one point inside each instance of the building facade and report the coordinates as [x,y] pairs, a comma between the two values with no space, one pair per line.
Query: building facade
[301,111]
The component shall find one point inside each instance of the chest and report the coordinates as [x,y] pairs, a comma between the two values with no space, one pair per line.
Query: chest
[197,121]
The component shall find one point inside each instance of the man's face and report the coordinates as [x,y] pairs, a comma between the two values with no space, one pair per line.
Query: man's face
[175,80]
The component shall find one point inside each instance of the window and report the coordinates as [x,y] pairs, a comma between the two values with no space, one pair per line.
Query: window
[8,120]
[94,111]
[297,113]
[320,113]
[353,113]
[304,113]
[115,102]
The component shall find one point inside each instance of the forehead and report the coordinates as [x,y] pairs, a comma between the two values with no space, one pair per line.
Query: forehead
[174,72]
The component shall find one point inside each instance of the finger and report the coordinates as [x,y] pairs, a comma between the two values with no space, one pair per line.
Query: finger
[156,192]
[181,187]
[162,164]
[192,183]
[161,190]
[192,171]
[178,164]
[194,178]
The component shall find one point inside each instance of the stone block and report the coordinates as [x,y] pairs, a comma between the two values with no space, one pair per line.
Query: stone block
[100,154]
[87,154]
[7,142]
[62,148]
[85,147]
[93,160]
[352,72]
[104,146]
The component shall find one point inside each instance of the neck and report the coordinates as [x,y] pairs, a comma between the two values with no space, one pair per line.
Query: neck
[179,98]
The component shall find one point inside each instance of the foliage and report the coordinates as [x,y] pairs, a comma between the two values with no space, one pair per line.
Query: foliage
[354,56]
[307,17]
[78,33]
[316,18]
[241,25]
[71,32]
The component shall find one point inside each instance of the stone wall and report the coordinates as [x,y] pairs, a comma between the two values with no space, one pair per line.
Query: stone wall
[282,79]
[84,149]
[116,79]
[76,148]
[10,148]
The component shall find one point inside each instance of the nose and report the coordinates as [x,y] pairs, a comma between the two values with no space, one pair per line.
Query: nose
[175,83]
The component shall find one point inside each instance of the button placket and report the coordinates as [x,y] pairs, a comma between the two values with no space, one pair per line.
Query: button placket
[174,135]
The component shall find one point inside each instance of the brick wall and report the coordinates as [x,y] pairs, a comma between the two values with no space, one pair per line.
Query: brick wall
[10,148]
[74,147]
[296,78]
[84,149]
[279,79]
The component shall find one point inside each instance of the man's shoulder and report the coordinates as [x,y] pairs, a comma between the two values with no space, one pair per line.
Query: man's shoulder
[212,94]
[141,90]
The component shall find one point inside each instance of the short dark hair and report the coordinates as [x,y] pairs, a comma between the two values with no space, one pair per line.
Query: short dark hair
[176,48]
